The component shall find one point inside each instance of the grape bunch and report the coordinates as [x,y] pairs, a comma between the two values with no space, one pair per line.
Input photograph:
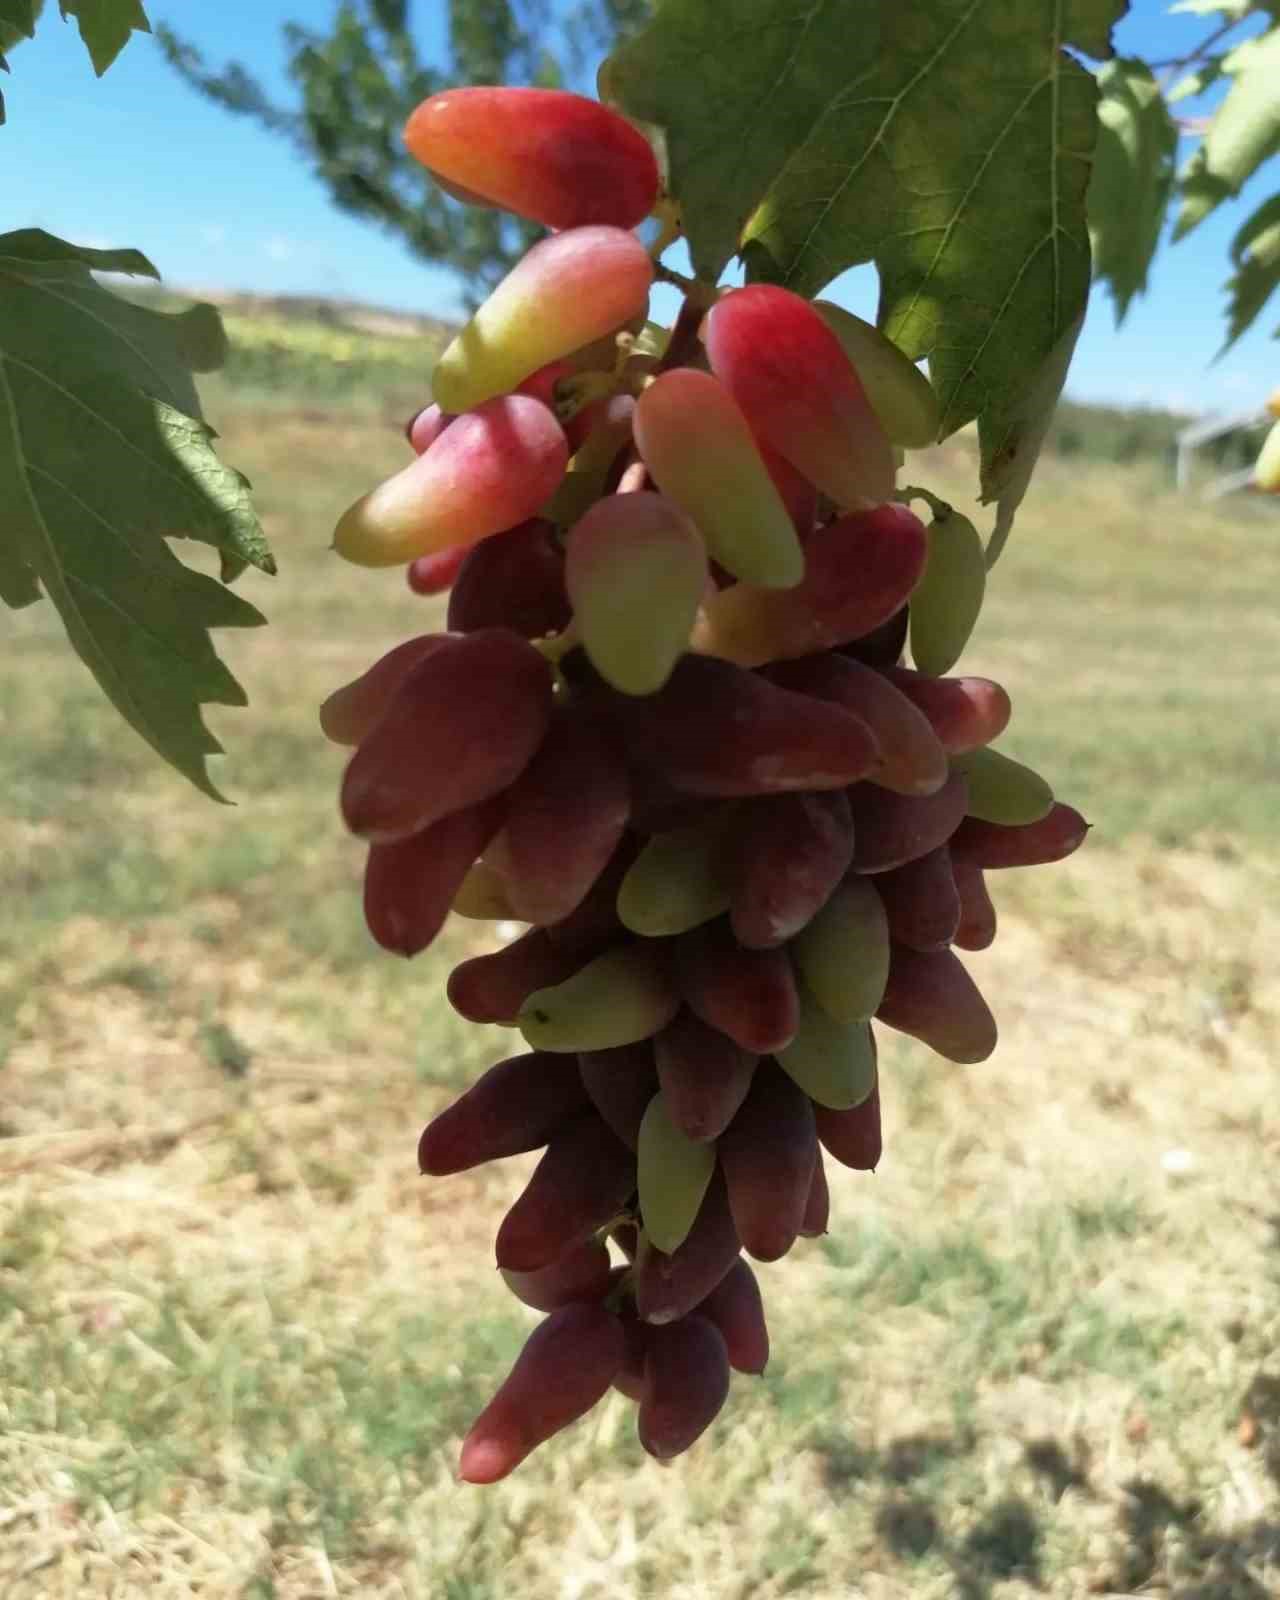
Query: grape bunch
[669,727]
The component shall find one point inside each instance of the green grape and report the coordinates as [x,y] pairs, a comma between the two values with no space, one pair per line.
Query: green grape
[1003,790]
[901,396]
[1266,474]
[946,602]
[673,1174]
[843,954]
[619,998]
[833,1062]
[675,883]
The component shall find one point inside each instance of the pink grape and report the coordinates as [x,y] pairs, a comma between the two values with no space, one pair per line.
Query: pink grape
[580,1184]
[977,926]
[620,1084]
[434,574]
[566,1366]
[493,988]
[410,885]
[704,1075]
[582,1273]
[565,817]
[991,844]
[491,468]
[750,995]
[783,856]
[686,1382]
[921,901]
[798,494]
[425,427]
[351,712]
[514,1107]
[965,713]
[670,1286]
[462,725]
[853,1137]
[789,373]
[891,829]
[817,1206]
[513,580]
[932,997]
[546,154]
[735,1306]
[767,1156]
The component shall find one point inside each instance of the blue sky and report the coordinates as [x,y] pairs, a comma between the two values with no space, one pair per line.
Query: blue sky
[137,159]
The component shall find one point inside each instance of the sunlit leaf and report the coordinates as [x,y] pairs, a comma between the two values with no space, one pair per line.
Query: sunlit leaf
[1132,178]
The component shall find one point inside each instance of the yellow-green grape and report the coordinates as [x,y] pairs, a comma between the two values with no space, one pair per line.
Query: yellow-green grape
[833,1062]
[570,289]
[635,569]
[946,602]
[672,1174]
[700,451]
[619,998]
[1267,472]
[900,394]
[674,884]
[843,954]
[1003,790]
[483,896]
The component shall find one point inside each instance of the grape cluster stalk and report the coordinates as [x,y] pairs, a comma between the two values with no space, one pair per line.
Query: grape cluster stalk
[670,728]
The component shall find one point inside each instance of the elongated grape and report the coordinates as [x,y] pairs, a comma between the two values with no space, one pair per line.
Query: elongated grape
[491,469]
[696,443]
[946,602]
[782,857]
[482,896]
[625,547]
[798,494]
[853,1137]
[566,1366]
[1003,790]
[883,646]
[990,845]
[750,995]
[913,760]
[675,883]
[817,1208]
[350,713]
[545,154]
[976,928]
[581,1183]
[964,713]
[567,290]
[494,987]
[565,816]
[901,396]
[767,1155]
[1266,471]
[858,572]
[513,580]
[670,1286]
[462,726]
[890,829]
[425,427]
[932,997]
[921,901]
[704,1075]
[686,1382]
[717,730]
[434,574]
[833,1062]
[596,918]
[581,1274]
[514,1107]
[673,1172]
[735,1306]
[622,996]
[620,1084]
[410,886]
[789,373]
[630,1377]
[843,954]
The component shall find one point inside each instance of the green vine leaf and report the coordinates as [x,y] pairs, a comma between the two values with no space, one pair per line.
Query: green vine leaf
[946,141]
[105,26]
[1256,253]
[1132,178]
[103,458]
[1244,133]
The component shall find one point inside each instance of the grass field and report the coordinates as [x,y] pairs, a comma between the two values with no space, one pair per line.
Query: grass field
[1037,1353]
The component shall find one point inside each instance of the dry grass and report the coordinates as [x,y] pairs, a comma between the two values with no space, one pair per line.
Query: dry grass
[1034,1356]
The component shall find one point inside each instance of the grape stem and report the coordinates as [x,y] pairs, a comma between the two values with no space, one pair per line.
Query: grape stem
[941,510]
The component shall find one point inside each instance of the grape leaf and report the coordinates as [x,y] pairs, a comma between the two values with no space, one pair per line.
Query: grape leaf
[103,458]
[1256,253]
[20,16]
[1132,178]
[105,26]
[946,141]
[1244,132]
